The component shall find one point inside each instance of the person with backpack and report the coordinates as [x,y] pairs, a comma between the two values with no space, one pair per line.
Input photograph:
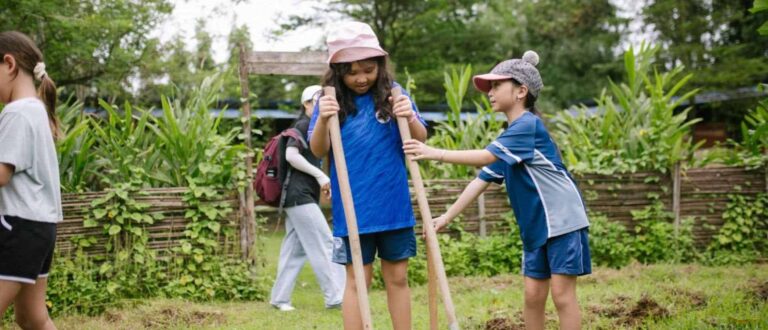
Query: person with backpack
[307,236]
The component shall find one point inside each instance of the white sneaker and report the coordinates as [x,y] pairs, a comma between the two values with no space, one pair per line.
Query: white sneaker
[284,307]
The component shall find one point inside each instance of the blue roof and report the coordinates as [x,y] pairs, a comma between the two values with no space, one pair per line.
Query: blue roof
[288,115]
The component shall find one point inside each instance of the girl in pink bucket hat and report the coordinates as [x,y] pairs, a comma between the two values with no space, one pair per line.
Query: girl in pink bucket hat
[548,207]
[358,69]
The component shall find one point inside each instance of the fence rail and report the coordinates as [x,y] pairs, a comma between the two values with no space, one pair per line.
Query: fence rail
[703,195]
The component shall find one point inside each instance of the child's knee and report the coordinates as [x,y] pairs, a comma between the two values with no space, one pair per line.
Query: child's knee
[563,298]
[33,322]
[397,281]
[535,296]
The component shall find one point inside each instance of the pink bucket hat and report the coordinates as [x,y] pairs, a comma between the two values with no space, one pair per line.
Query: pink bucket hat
[352,41]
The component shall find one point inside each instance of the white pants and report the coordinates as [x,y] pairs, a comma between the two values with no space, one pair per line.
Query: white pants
[307,236]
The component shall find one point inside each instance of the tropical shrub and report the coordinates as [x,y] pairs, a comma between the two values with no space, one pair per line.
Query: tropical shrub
[457,133]
[635,126]
[743,237]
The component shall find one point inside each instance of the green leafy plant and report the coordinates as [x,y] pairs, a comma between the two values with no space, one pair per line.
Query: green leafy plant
[76,159]
[655,239]
[609,242]
[635,126]
[752,148]
[472,132]
[744,235]
[130,150]
[188,141]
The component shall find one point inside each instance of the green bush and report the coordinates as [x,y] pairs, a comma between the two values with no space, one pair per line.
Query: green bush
[129,151]
[455,133]
[76,286]
[161,151]
[751,150]
[655,239]
[744,235]
[609,242]
[635,128]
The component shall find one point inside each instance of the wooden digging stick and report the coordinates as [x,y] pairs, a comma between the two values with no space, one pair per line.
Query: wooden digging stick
[433,248]
[432,294]
[349,213]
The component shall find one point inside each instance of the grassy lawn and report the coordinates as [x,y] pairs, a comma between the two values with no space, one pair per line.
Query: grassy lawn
[657,297]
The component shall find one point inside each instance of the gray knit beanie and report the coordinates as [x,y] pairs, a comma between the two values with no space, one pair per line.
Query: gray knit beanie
[522,70]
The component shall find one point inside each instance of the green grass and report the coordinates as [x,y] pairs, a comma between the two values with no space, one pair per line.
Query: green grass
[676,297]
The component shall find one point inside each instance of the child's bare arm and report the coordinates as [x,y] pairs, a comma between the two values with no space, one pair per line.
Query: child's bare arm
[6,171]
[470,193]
[419,151]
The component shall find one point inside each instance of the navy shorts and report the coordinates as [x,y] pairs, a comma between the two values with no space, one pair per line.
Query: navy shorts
[392,245]
[567,254]
[26,249]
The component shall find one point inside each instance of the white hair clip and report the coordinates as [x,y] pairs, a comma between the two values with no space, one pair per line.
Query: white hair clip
[39,71]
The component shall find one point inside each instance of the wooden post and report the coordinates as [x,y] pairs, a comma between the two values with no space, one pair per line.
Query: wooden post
[432,294]
[481,214]
[247,230]
[349,213]
[676,182]
[433,247]
[284,63]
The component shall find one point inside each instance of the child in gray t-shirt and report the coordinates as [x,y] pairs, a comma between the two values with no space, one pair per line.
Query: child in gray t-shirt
[30,197]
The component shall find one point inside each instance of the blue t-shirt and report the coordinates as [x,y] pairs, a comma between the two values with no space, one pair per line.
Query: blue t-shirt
[377,173]
[541,191]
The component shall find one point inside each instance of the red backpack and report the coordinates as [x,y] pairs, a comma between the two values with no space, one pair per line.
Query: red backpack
[272,173]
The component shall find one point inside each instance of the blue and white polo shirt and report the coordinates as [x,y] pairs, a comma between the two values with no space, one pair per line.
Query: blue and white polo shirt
[541,191]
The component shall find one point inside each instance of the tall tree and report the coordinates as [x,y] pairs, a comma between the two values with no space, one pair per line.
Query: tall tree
[717,40]
[93,44]
[576,39]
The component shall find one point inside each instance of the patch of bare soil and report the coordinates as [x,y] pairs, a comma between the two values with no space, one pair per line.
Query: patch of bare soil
[504,323]
[692,298]
[113,317]
[172,317]
[760,290]
[615,308]
[627,313]
[646,307]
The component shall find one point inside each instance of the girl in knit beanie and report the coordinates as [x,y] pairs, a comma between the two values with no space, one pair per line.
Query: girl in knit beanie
[548,207]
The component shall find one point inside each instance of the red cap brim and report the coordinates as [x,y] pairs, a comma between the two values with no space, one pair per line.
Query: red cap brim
[483,82]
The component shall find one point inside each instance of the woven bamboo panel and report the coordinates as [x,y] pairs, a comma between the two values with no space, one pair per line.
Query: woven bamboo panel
[704,195]
[163,234]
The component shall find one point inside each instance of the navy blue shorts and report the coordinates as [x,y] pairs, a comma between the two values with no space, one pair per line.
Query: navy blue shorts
[392,245]
[567,254]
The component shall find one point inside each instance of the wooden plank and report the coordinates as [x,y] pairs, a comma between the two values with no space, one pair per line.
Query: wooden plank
[286,63]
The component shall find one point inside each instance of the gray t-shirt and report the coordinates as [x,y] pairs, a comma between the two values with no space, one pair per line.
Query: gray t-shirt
[26,142]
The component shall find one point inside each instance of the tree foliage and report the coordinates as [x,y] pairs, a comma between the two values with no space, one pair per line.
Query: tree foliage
[716,40]
[90,45]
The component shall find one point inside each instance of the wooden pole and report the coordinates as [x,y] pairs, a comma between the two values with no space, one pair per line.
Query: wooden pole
[481,214]
[432,294]
[349,213]
[676,195]
[433,247]
[247,230]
